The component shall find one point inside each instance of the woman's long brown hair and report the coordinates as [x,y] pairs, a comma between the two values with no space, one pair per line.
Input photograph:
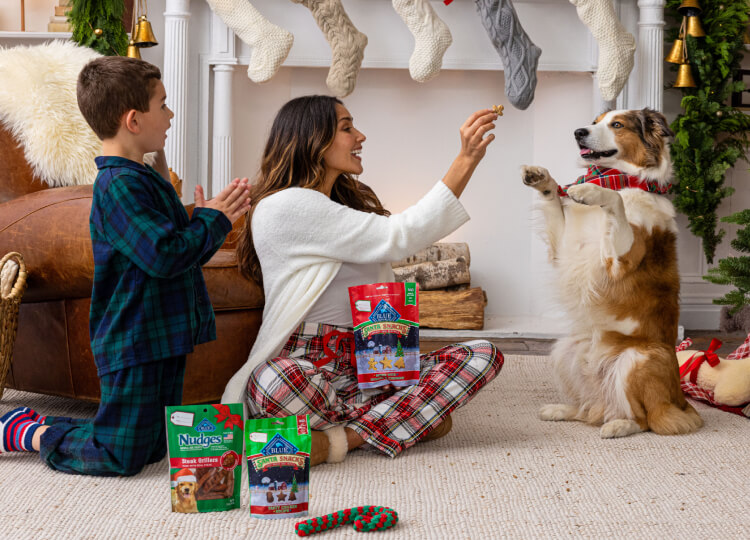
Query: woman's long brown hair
[302,131]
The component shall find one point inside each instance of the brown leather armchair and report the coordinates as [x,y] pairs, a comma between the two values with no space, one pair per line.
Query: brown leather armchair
[52,355]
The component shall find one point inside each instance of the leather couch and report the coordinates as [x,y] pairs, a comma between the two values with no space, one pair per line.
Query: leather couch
[52,355]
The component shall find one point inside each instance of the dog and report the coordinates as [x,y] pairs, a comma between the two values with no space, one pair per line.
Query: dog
[615,258]
[186,502]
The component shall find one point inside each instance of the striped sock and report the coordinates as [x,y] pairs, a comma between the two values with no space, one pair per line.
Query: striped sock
[17,430]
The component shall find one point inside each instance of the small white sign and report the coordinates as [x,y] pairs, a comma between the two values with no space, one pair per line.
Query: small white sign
[182,418]
[259,437]
[362,305]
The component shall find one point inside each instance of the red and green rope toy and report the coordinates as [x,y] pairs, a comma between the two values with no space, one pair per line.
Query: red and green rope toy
[363,518]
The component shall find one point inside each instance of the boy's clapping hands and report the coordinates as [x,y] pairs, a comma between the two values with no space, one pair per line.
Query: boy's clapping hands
[233,201]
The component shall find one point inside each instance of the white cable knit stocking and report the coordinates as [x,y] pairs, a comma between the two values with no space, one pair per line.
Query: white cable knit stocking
[616,45]
[431,37]
[270,43]
[347,44]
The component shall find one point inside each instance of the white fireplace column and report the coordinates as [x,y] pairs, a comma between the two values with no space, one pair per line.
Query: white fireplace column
[175,78]
[650,54]
[221,169]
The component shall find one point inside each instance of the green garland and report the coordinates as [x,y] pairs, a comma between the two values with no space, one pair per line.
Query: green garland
[88,15]
[710,136]
[734,270]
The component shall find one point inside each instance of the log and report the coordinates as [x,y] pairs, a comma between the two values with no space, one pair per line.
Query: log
[433,275]
[437,252]
[460,310]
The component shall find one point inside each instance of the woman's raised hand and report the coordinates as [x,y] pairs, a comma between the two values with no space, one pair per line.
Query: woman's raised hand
[474,142]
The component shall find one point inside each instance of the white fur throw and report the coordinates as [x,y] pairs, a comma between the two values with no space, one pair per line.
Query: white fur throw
[38,105]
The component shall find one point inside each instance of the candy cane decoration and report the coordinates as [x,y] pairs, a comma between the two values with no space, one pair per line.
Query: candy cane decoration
[363,518]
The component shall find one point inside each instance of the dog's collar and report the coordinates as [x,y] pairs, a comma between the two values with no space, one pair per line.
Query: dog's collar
[614,179]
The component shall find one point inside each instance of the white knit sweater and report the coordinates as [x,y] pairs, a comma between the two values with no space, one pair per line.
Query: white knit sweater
[302,237]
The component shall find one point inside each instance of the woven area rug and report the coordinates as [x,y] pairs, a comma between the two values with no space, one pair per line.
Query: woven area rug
[501,473]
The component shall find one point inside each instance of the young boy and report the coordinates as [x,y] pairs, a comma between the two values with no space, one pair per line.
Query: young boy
[149,304]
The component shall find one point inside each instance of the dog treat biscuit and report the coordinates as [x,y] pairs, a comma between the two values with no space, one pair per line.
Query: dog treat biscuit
[498,109]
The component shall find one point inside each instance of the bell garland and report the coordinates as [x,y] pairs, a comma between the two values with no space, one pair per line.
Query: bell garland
[98,24]
[710,135]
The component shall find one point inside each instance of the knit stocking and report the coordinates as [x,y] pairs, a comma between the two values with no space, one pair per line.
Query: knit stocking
[270,43]
[519,55]
[347,44]
[17,429]
[616,45]
[431,37]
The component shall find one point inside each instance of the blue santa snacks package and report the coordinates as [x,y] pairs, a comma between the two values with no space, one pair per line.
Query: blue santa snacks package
[386,333]
[278,466]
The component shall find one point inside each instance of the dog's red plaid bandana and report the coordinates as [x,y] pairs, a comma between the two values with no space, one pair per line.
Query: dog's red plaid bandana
[613,179]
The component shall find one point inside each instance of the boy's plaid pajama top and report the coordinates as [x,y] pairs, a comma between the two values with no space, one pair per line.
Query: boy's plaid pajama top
[149,307]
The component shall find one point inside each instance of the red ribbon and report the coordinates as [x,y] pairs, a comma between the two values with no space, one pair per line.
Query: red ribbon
[225,415]
[330,355]
[446,2]
[694,362]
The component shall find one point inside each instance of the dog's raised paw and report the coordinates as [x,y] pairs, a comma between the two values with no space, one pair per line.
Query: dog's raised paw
[588,194]
[557,412]
[539,179]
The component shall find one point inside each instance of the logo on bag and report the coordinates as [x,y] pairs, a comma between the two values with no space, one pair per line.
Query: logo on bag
[278,445]
[384,312]
[205,425]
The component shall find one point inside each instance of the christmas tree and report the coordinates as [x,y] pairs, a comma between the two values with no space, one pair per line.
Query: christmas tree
[711,135]
[735,270]
[399,349]
[98,24]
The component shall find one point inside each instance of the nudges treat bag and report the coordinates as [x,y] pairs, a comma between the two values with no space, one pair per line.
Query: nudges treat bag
[278,466]
[386,333]
[205,448]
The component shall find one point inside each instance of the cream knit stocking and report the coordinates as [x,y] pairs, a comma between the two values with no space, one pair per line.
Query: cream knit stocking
[270,43]
[431,37]
[347,44]
[616,45]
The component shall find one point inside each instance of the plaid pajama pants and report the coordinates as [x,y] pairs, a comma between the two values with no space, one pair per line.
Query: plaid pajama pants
[389,421]
[128,431]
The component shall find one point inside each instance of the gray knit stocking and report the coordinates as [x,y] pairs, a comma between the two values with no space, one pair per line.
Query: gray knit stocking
[347,44]
[519,55]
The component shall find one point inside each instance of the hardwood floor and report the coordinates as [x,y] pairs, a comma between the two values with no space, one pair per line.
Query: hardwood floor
[701,340]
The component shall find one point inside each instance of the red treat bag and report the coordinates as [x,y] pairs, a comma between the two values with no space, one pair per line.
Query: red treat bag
[386,333]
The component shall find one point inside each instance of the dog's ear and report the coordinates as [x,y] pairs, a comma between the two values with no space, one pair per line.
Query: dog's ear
[654,123]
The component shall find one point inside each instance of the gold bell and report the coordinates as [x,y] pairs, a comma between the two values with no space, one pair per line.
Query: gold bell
[677,54]
[144,34]
[689,7]
[685,77]
[133,51]
[694,27]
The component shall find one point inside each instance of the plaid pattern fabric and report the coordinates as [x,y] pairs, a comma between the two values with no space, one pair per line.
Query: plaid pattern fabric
[613,179]
[743,351]
[128,431]
[389,421]
[149,299]
[693,390]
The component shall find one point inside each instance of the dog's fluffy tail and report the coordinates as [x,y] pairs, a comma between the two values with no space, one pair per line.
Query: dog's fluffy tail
[669,419]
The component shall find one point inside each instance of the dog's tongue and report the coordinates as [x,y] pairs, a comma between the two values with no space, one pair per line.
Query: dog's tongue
[585,151]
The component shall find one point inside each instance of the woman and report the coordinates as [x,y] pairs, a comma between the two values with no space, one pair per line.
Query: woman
[313,232]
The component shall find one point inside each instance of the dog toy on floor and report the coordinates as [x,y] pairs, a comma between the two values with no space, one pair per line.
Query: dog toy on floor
[363,518]
[722,382]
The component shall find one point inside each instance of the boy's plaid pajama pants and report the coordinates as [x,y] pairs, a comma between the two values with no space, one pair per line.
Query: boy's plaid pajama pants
[389,421]
[128,431]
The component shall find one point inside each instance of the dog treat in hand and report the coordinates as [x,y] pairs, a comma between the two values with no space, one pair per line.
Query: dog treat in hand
[498,109]
[205,445]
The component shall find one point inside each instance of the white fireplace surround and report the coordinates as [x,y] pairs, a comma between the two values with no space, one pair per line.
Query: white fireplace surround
[567,48]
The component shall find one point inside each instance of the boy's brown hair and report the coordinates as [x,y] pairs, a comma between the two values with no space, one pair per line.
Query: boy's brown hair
[110,86]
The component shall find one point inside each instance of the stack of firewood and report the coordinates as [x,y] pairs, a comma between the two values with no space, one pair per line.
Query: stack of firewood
[446,298]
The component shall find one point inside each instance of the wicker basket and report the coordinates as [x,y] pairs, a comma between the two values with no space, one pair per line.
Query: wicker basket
[12,287]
